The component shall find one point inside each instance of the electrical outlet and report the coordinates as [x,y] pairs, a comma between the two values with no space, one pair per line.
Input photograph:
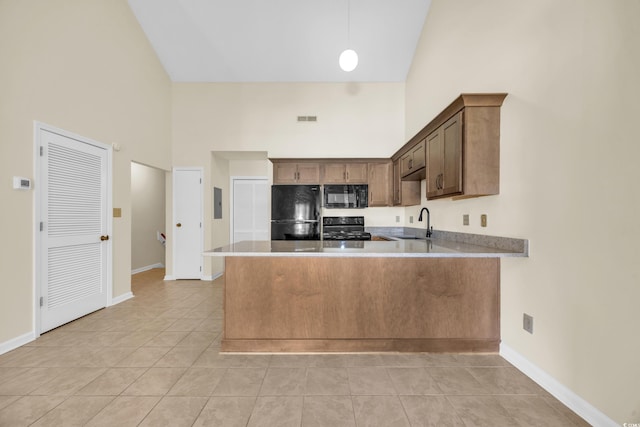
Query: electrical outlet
[527,323]
[483,220]
[465,219]
[397,218]
[411,219]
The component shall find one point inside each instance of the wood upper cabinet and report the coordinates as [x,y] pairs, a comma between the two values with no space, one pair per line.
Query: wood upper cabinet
[444,154]
[341,173]
[405,193]
[413,162]
[380,184]
[296,173]
[462,146]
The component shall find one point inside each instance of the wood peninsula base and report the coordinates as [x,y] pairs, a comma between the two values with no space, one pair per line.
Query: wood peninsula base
[354,304]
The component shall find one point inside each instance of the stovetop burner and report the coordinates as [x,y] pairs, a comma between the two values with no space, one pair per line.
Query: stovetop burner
[344,228]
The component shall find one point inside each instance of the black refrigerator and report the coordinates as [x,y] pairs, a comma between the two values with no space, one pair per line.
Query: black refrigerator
[295,212]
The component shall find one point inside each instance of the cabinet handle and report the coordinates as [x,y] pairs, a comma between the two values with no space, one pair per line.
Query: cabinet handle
[347,173]
[344,176]
[410,163]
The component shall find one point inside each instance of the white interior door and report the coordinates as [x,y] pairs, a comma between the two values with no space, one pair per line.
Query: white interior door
[250,209]
[187,223]
[73,242]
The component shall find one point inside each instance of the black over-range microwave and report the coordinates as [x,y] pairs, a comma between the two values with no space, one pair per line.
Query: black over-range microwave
[346,196]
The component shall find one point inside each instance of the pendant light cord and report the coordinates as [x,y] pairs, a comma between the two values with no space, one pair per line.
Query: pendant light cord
[349,24]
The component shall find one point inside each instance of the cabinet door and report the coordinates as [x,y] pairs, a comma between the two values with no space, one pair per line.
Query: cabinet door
[405,164]
[308,173]
[379,184]
[285,173]
[357,173]
[451,181]
[434,159]
[397,183]
[418,155]
[334,173]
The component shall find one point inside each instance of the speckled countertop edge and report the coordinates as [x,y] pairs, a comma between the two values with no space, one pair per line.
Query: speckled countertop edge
[520,246]
[442,245]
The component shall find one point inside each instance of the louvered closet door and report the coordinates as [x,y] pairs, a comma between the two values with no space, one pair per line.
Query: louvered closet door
[250,209]
[74,214]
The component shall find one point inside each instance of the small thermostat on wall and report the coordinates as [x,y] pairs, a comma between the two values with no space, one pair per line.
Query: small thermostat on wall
[20,183]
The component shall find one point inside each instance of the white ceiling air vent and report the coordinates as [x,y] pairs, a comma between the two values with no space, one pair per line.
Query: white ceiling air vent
[307,118]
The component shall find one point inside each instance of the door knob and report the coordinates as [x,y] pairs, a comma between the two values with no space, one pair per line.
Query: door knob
[179,225]
[103,238]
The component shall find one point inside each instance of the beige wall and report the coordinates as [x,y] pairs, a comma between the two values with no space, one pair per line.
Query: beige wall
[262,116]
[568,175]
[85,67]
[147,215]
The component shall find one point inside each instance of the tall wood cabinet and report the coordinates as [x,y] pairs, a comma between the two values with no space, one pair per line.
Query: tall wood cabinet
[380,176]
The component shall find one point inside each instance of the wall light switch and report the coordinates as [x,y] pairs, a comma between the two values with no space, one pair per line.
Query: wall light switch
[21,183]
[465,219]
[397,218]
[411,219]
[483,220]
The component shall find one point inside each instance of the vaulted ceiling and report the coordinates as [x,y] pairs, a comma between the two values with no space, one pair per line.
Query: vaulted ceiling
[282,40]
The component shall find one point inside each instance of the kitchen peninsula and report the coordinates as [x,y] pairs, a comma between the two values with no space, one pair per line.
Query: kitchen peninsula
[440,294]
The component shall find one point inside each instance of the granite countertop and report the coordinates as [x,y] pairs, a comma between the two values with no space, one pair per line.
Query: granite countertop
[442,244]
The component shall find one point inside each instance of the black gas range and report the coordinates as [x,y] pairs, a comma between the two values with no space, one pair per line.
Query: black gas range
[344,228]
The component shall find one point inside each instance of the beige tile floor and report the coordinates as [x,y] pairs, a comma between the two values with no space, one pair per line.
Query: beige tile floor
[154,361]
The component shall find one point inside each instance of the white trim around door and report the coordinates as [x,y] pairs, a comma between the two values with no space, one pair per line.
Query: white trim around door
[43,131]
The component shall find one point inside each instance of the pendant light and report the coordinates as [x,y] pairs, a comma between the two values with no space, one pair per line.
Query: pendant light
[349,58]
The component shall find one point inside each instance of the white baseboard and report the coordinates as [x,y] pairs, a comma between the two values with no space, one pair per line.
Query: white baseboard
[147,268]
[574,402]
[121,298]
[211,278]
[16,342]
[169,277]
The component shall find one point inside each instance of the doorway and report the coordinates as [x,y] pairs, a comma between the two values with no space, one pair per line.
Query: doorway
[148,201]
[73,246]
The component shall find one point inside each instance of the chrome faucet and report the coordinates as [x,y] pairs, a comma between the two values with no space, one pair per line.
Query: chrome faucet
[429,228]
